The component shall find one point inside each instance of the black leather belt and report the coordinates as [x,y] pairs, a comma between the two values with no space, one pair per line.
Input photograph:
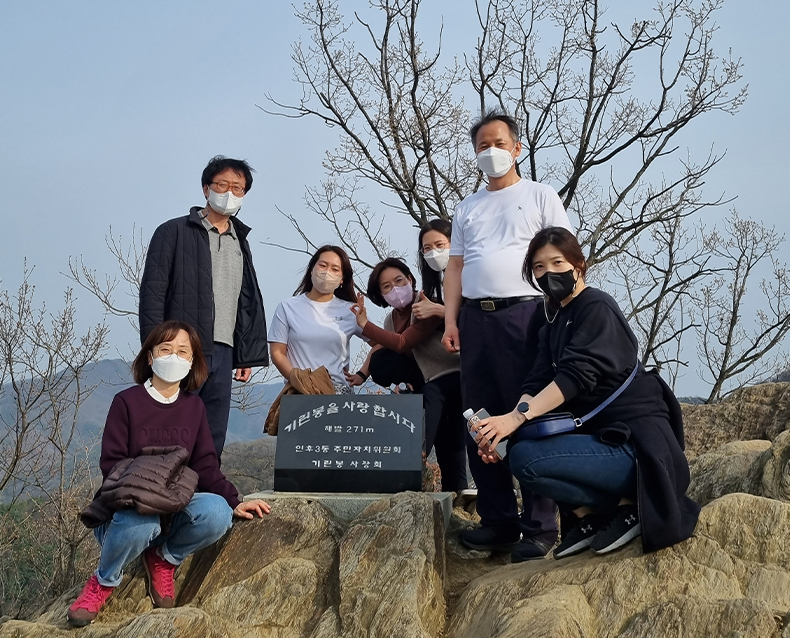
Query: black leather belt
[490,305]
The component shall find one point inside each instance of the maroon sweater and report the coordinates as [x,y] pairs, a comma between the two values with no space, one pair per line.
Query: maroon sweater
[137,420]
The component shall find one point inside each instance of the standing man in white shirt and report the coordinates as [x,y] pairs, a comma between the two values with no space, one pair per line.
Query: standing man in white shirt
[488,307]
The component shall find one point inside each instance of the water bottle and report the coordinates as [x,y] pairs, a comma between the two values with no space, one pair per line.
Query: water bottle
[472,419]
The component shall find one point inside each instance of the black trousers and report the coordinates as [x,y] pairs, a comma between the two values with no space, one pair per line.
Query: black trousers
[445,429]
[215,393]
[497,351]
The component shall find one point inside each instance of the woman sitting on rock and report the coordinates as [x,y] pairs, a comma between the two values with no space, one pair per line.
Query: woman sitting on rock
[163,494]
[623,472]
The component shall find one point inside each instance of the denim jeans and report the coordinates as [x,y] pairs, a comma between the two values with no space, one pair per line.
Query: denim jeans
[202,522]
[575,470]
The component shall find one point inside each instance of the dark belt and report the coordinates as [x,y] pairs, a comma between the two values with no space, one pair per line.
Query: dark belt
[490,305]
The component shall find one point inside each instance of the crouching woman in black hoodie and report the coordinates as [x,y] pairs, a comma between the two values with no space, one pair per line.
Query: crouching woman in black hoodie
[623,472]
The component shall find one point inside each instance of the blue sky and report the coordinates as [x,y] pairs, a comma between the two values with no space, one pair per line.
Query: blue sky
[111,110]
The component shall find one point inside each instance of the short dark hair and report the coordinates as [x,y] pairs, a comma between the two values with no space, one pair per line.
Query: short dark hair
[432,280]
[564,241]
[219,163]
[374,289]
[167,331]
[495,115]
[346,290]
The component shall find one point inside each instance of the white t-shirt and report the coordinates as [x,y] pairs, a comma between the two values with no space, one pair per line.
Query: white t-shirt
[492,231]
[317,334]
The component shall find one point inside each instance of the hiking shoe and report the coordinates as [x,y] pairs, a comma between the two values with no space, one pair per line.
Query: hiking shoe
[529,549]
[495,539]
[88,603]
[579,537]
[161,588]
[623,527]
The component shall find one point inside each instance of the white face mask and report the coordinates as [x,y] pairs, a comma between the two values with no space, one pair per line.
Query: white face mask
[224,203]
[438,258]
[495,162]
[325,282]
[171,368]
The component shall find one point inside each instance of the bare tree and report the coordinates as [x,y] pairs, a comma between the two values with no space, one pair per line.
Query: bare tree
[43,361]
[584,120]
[404,135]
[131,263]
[727,347]
[403,122]
[603,107]
[130,258]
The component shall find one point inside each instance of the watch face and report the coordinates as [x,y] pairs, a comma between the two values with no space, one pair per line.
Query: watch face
[523,407]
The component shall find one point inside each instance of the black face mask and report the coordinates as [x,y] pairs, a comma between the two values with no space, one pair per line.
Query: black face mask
[557,285]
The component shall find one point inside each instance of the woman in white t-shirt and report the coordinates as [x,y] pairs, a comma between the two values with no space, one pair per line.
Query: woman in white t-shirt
[314,327]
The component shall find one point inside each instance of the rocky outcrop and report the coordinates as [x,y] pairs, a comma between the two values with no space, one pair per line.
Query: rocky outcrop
[296,573]
[754,467]
[395,572]
[300,573]
[731,579]
[757,412]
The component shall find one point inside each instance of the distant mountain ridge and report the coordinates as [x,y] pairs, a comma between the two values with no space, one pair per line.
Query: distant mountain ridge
[110,376]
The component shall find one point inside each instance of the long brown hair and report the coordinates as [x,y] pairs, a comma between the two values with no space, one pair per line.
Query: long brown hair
[432,280]
[167,331]
[346,290]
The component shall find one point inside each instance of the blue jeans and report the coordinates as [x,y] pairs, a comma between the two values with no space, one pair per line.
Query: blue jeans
[575,470]
[202,522]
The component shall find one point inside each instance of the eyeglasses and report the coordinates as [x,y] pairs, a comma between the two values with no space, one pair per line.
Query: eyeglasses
[224,187]
[438,246]
[166,351]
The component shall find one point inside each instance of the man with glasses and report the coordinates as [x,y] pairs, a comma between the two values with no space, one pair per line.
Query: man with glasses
[199,270]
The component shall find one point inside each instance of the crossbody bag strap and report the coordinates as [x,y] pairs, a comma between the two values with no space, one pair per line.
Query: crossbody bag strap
[611,397]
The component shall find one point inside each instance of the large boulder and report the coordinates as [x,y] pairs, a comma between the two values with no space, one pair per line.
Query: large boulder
[731,579]
[757,412]
[734,467]
[775,481]
[297,573]
[392,570]
[761,468]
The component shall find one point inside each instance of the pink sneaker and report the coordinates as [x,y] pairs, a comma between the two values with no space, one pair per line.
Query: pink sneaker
[161,588]
[88,603]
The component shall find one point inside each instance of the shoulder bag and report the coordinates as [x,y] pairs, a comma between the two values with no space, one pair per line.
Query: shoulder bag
[562,422]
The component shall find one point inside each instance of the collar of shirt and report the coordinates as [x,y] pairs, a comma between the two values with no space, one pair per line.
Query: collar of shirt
[209,226]
[155,393]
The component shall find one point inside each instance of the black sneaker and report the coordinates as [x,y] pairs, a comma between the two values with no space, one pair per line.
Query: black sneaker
[623,527]
[496,539]
[579,537]
[529,549]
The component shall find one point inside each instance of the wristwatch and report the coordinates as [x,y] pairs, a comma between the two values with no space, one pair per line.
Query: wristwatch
[523,408]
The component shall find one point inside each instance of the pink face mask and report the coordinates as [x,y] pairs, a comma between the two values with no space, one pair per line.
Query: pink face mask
[400,296]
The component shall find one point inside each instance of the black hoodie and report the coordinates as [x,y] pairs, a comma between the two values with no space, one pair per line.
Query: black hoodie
[589,350]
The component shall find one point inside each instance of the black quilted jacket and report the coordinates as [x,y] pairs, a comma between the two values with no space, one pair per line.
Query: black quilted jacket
[177,285]
[157,482]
